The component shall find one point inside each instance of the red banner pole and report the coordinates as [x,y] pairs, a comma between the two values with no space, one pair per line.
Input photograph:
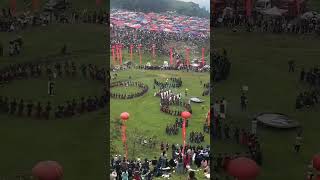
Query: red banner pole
[171,56]
[140,53]
[184,134]
[113,58]
[120,53]
[13,6]
[131,47]
[202,56]
[153,51]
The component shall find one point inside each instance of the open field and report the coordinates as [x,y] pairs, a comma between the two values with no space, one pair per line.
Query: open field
[261,63]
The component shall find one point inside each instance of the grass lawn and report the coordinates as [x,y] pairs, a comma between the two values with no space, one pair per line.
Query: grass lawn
[76,143]
[145,117]
[261,63]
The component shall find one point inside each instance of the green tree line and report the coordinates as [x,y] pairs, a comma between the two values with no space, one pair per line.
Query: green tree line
[184,8]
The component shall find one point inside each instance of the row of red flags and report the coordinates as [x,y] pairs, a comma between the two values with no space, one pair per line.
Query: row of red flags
[117,54]
[35,5]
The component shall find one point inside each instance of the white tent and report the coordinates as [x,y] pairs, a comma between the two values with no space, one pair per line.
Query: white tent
[274,11]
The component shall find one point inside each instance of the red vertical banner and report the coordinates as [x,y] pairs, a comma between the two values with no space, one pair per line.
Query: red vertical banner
[203,57]
[153,51]
[124,138]
[184,134]
[13,6]
[187,57]
[113,55]
[131,48]
[35,5]
[248,4]
[117,52]
[208,117]
[213,5]
[98,2]
[120,53]
[171,56]
[140,53]
[297,3]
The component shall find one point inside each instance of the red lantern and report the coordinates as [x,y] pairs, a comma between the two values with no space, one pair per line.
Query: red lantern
[316,162]
[124,116]
[47,170]
[185,114]
[243,168]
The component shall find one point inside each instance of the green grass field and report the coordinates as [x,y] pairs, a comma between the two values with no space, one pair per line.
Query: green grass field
[76,143]
[145,117]
[261,63]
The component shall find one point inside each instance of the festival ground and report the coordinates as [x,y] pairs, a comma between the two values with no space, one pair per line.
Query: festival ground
[148,121]
[262,64]
[77,143]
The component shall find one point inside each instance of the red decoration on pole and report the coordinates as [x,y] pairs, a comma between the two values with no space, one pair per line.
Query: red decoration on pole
[35,5]
[113,55]
[117,52]
[47,170]
[153,51]
[185,115]
[243,168]
[248,4]
[203,57]
[171,56]
[13,6]
[316,162]
[98,2]
[120,53]
[187,56]
[124,117]
[297,4]
[140,53]
[208,118]
[131,48]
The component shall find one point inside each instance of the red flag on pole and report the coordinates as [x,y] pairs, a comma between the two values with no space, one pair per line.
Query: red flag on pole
[153,51]
[203,57]
[117,52]
[297,6]
[13,6]
[131,48]
[140,53]
[120,53]
[35,5]
[184,134]
[248,4]
[113,54]
[187,56]
[98,2]
[171,54]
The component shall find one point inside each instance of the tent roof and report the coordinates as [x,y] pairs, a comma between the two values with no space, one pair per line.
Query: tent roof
[274,11]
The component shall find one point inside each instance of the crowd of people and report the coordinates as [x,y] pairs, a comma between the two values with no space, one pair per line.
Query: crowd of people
[14,23]
[311,77]
[170,83]
[264,23]
[196,137]
[31,108]
[163,166]
[143,89]
[221,65]
[173,129]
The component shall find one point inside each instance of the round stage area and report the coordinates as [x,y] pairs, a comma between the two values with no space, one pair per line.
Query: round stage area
[276,120]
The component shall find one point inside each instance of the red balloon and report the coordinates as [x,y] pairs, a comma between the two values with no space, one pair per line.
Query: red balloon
[47,170]
[316,162]
[124,116]
[185,114]
[243,168]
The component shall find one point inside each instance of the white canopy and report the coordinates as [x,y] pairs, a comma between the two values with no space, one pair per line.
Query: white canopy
[274,11]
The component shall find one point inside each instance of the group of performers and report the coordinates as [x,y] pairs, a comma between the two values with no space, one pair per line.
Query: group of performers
[144,89]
